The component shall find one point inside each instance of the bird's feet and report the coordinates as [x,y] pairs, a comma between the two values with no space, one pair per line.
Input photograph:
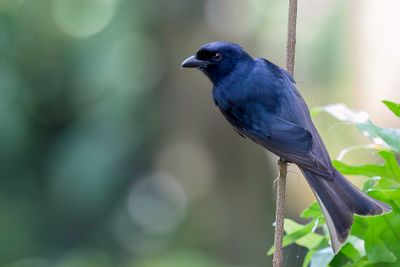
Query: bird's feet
[282,161]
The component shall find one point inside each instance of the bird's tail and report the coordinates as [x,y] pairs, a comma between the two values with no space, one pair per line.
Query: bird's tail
[339,201]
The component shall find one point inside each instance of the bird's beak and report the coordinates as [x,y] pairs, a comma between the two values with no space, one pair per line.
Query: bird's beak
[192,62]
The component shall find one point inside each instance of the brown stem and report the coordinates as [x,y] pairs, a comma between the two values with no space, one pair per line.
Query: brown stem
[291,38]
[277,259]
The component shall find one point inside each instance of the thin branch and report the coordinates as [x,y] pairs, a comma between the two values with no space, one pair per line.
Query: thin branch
[277,259]
[291,38]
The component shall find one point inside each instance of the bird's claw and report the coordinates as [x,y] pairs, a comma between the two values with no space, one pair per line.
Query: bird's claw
[283,161]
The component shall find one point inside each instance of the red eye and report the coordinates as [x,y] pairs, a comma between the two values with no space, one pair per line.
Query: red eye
[217,57]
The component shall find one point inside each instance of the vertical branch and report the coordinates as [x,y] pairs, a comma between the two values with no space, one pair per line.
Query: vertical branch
[277,259]
[291,37]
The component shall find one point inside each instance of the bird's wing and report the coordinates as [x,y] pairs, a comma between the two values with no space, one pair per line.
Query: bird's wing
[273,131]
[293,108]
[298,113]
[288,140]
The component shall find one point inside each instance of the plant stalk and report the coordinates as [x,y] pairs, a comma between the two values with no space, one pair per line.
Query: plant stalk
[277,259]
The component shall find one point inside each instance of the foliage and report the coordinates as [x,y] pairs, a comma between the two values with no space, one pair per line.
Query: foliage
[373,241]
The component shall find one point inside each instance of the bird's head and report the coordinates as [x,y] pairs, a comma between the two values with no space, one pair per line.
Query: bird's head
[217,59]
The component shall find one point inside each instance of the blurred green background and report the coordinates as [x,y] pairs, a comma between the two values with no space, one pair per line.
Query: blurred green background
[111,155]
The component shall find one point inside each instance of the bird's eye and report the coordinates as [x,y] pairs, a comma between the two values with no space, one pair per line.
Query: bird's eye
[217,57]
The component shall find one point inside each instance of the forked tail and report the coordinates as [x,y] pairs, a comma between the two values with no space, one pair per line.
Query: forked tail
[339,201]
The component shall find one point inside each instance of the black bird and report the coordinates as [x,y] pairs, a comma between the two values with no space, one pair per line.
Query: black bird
[262,103]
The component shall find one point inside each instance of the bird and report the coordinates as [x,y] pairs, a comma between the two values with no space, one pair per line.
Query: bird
[260,100]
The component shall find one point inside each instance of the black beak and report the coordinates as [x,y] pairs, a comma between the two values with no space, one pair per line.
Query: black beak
[193,62]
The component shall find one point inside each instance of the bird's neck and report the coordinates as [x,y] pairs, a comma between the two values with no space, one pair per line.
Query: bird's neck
[231,88]
[238,72]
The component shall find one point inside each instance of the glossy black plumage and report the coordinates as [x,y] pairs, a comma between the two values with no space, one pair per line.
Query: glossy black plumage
[261,102]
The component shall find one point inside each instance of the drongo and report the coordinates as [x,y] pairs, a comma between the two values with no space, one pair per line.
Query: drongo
[262,103]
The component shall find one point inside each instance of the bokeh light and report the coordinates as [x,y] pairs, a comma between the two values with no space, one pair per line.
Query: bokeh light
[231,19]
[158,204]
[191,163]
[82,18]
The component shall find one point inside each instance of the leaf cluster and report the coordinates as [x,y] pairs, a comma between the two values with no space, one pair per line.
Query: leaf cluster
[373,240]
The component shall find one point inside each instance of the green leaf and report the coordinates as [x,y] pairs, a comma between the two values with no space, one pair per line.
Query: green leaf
[389,171]
[307,258]
[294,232]
[350,252]
[381,235]
[374,240]
[361,120]
[302,235]
[369,170]
[390,196]
[362,262]
[359,227]
[390,136]
[358,244]
[377,250]
[313,240]
[370,183]
[395,108]
[291,226]
[313,211]
[294,236]
[322,257]
[391,162]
